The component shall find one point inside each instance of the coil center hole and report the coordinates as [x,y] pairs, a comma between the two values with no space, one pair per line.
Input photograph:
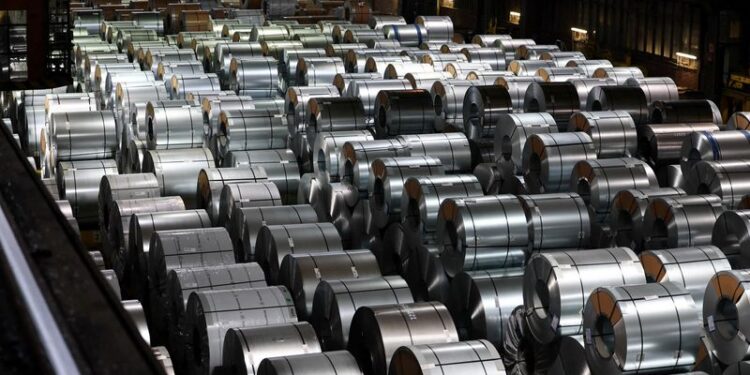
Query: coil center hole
[541,299]
[726,319]
[378,195]
[438,105]
[659,235]
[624,229]
[321,161]
[604,337]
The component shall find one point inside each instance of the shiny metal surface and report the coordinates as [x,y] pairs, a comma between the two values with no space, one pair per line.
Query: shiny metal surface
[224,52]
[439,28]
[425,274]
[556,221]
[619,74]
[452,149]
[333,115]
[274,242]
[482,107]
[250,129]
[302,273]
[403,112]
[597,181]
[482,233]
[559,99]
[255,76]
[584,86]
[78,183]
[211,182]
[336,301]
[739,120]
[343,81]
[686,111]
[725,145]
[177,170]
[588,66]
[316,71]
[680,221]
[517,87]
[725,314]
[620,98]
[439,61]
[132,157]
[527,68]
[164,359]
[246,194]
[656,88]
[173,127]
[211,314]
[548,159]
[280,166]
[387,180]
[613,132]
[728,179]
[81,136]
[571,357]
[558,74]
[378,22]
[661,144]
[120,187]
[557,284]
[296,104]
[339,362]
[627,212]
[488,78]
[327,148]
[448,98]
[409,35]
[135,312]
[356,158]
[495,57]
[482,302]
[489,176]
[212,108]
[187,70]
[399,69]
[461,357]
[623,322]
[488,40]
[182,84]
[367,91]
[730,234]
[460,69]
[535,52]
[511,133]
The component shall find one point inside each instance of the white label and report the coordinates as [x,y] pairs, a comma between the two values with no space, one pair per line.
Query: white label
[317,272]
[553,323]
[588,336]
[354,272]
[711,323]
[291,242]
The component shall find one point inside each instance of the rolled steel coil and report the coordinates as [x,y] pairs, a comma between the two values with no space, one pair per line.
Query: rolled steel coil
[440,61]
[453,149]
[126,36]
[399,70]
[88,19]
[333,115]
[211,182]
[471,240]
[556,221]
[656,88]
[627,213]
[212,108]
[250,129]
[706,361]
[439,28]
[378,22]
[379,64]
[152,56]
[302,273]
[327,150]
[275,48]
[511,133]
[178,249]
[280,166]
[534,52]
[739,120]
[726,179]
[174,126]
[403,112]
[316,71]
[246,194]
[557,74]
[224,53]
[297,102]
[355,59]
[557,283]
[136,313]
[686,111]
[562,58]
[690,268]
[164,359]
[724,314]
[453,47]
[245,348]
[619,74]
[597,181]
[510,45]
[487,78]
[291,57]
[623,98]
[341,50]
[460,69]
[548,159]
[274,242]
[671,176]
[128,77]
[81,136]
[132,157]
[420,203]
[495,57]
[34,121]
[410,35]
[560,99]
[256,76]
[315,40]
[528,68]
[368,92]
[167,69]
[393,249]
[660,318]
[120,187]
[181,282]
[363,35]
[177,170]
[387,182]
[571,357]
[182,84]
[78,183]
[589,66]
[482,106]
[211,314]
[448,98]
[378,331]
[264,33]
[488,40]
[613,132]
[128,95]
[489,176]
[517,87]
[339,362]
[585,85]
[343,81]
[661,144]
[729,234]
[465,356]
[680,221]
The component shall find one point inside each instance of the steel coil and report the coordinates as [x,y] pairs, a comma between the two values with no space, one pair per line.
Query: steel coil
[136,313]
[78,183]
[132,156]
[453,149]
[562,58]
[589,66]
[339,362]
[535,52]
[510,45]
[528,68]
[495,57]
[627,213]
[439,61]
[378,22]
[128,95]
[619,74]
[571,357]
[557,283]
[345,80]
[656,88]
[387,182]
[584,86]
[482,107]
[487,78]
[471,240]
[246,194]
[333,115]
[182,84]
[379,64]
[256,76]
[177,170]
[274,49]
[34,121]
[369,90]
[226,51]
[726,179]
[488,40]
[671,176]
[661,144]
[403,112]
[81,136]
[725,145]
[517,87]
[164,359]
[317,71]
[174,126]
[363,35]
[393,249]
[730,234]
[290,59]
[167,69]
[448,98]
[739,120]
[274,242]
[211,314]
[460,69]
[439,28]
[250,129]
[355,58]
[302,273]
[556,221]
[296,104]
[489,176]
[559,99]
[399,70]
[212,108]
[613,132]
[327,148]
[464,357]
[624,98]
[211,182]
[511,133]
[341,50]
[548,159]
[121,187]
[247,222]
[264,33]
[126,77]
[680,221]
[597,181]
[178,249]
[152,56]
[410,35]
[557,74]
[686,111]
[280,165]
[725,315]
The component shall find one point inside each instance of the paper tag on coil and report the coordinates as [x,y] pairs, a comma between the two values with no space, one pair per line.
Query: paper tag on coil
[354,272]
[290,240]
[317,273]
[587,334]
[554,322]
[711,323]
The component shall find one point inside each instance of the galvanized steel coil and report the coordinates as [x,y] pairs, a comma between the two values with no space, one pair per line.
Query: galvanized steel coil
[588,66]
[448,98]
[356,158]
[256,76]
[548,159]
[584,86]
[557,284]
[720,146]
[619,74]
[211,182]
[624,98]
[363,35]
[730,235]
[212,108]
[727,179]
[613,132]
[333,115]
[327,149]
[559,99]
[120,187]
[556,221]
[78,183]
[132,156]
[488,40]
[291,57]
[343,81]
[339,362]
[739,120]
[471,238]
[410,35]
[725,314]
[489,175]
[495,57]
[211,314]
[368,92]
[558,74]
[439,61]
[562,58]
[296,104]
[177,170]
[403,112]
[246,194]
[517,87]
[247,222]
[439,28]
[226,51]
[250,129]
[528,68]
[81,136]
[661,144]
[378,22]
[534,51]
[316,71]
[174,126]
[399,70]
[680,221]
[511,133]
[463,357]
[167,69]
[302,273]
[453,149]
[482,106]
[656,88]
[686,111]
[264,33]
[628,210]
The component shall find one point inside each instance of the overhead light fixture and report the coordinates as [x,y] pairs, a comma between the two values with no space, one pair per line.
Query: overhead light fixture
[514,18]
[579,35]
[686,60]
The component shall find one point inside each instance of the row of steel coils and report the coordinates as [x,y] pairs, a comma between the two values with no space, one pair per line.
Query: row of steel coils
[409,205]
